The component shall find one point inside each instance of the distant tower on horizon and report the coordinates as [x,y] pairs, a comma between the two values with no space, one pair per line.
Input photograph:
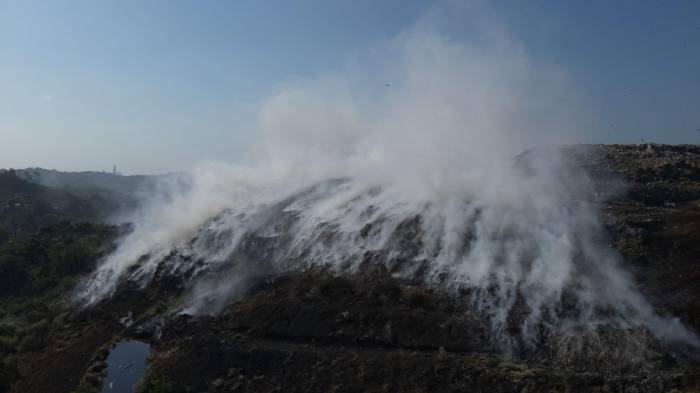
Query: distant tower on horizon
[114,170]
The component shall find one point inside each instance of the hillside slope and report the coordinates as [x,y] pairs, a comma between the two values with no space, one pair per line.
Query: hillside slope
[26,206]
[316,330]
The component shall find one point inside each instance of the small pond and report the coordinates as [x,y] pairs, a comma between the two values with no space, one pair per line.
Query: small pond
[125,366]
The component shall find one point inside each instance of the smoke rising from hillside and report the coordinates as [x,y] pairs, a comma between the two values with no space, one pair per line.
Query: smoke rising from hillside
[419,175]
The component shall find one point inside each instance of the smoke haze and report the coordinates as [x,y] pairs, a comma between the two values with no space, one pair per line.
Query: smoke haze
[407,157]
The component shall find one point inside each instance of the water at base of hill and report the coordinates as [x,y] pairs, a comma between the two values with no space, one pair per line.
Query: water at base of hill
[125,366]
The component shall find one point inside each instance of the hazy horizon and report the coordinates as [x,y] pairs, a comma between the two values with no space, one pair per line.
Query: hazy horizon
[84,87]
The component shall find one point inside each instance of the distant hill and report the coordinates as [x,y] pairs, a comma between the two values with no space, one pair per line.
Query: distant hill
[85,180]
[26,206]
[107,189]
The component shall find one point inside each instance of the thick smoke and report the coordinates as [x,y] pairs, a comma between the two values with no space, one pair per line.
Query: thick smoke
[408,157]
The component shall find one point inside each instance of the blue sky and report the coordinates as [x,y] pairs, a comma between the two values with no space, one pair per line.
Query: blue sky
[156,86]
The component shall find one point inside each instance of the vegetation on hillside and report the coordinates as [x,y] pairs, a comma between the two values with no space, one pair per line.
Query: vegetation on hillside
[48,238]
[38,261]
[27,207]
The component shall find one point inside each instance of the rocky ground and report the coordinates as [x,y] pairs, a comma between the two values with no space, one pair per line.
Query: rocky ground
[312,331]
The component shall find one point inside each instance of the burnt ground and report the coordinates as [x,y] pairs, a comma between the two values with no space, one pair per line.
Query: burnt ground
[655,224]
[314,332]
[311,331]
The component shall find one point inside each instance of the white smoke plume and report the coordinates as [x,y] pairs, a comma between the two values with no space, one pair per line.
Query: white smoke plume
[420,172]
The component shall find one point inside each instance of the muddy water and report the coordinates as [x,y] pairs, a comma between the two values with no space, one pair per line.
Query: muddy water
[125,366]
